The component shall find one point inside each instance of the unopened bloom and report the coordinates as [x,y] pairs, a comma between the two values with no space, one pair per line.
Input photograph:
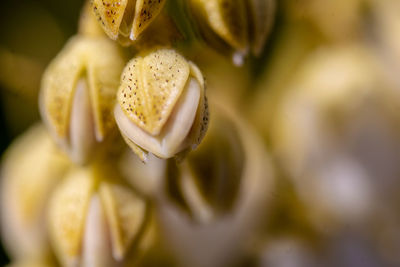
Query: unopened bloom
[162,106]
[234,25]
[94,220]
[126,19]
[78,94]
[31,168]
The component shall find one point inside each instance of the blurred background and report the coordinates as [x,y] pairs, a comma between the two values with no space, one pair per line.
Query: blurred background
[324,96]
[31,34]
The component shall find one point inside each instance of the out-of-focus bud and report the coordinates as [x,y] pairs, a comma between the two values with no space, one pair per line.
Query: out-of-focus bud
[78,94]
[386,34]
[218,196]
[335,135]
[261,18]
[96,222]
[126,19]
[162,107]
[235,26]
[31,168]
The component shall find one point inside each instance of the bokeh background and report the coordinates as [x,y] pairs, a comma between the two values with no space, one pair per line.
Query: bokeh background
[31,34]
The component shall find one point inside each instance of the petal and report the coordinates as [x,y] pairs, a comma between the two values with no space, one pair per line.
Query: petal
[145,12]
[227,18]
[171,140]
[126,216]
[110,13]
[68,209]
[97,244]
[151,86]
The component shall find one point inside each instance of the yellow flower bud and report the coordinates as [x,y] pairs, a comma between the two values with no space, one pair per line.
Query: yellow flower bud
[93,221]
[78,94]
[31,168]
[162,106]
[126,19]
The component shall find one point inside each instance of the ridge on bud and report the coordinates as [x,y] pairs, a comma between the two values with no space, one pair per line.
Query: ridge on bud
[262,14]
[78,94]
[122,19]
[162,106]
[234,26]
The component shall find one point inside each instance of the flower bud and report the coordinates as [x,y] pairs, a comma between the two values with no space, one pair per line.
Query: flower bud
[218,196]
[78,94]
[31,168]
[162,106]
[126,19]
[234,25]
[95,222]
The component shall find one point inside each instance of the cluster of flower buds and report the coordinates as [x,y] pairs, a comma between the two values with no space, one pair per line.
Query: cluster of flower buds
[103,181]
[146,155]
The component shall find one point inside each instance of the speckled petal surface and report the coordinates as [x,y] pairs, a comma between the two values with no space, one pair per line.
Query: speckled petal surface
[151,86]
[200,124]
[110,14]
[145,12]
